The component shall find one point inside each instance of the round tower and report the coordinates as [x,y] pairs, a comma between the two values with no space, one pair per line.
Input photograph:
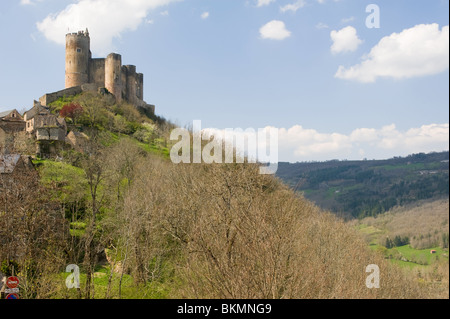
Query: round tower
[140,86]
[131,84]
[113,75]
[77,58]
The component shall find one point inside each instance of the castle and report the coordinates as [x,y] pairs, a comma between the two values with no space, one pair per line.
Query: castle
[84,73]
[81,68]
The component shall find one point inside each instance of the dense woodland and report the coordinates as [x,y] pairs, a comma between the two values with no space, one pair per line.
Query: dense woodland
[368,188]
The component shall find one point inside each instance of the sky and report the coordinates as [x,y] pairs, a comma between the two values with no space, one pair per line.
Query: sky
[339,79]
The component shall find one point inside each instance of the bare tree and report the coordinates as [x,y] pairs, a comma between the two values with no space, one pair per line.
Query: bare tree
[33,233]
[94,170]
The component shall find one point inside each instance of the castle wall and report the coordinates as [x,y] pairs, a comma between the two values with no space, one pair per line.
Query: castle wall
[90,87]
[147,109]
[97,72]
[124,81]
[131,84]
[83,71]
[140,86]
[77,59]
[113,75]
[48,98]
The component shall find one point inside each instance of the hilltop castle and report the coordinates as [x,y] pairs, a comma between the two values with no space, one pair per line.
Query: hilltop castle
[81,68]
[83,73]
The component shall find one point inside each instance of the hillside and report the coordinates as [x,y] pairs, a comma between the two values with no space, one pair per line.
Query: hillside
[139,226]
[368,188]
[424,223]
[408,235]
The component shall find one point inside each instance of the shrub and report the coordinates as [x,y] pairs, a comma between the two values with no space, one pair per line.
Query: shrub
[72,111]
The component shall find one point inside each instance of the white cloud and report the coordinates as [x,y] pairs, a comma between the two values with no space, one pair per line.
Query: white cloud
[345,40]
[274,30]
[301,144]
[106,20]
[205,15]
[323,1]
[293,6]
[298,144]
[321,25]
[29,2]
[419,51]
[427,137]
[262,3]
[347,20]
[363,135]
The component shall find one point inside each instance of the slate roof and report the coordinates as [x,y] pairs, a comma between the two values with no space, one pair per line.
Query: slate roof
[36,110]
[5,113]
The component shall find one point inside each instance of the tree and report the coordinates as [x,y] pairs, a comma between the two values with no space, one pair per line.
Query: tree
[398,241]
[445,240]
[388,244]
[94,110]
[33,233]
[72,110]
[94,172]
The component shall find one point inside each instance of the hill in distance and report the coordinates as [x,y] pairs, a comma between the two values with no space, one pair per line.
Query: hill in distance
[357,189]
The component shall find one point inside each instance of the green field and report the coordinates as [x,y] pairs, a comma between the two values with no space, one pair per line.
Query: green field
[420,256]
[129,290]
[404,256]
[410,257]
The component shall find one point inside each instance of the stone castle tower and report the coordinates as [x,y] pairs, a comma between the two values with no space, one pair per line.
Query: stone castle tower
[81,68]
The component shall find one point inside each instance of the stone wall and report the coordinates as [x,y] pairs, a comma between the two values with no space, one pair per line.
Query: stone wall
[97,72]
[121,80]
[48,98]
[50,134]
[12,126]
[83,73]
[113,75]
[78,55]
[146,109]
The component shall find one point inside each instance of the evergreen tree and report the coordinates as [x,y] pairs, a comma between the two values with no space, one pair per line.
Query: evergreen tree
[389,244]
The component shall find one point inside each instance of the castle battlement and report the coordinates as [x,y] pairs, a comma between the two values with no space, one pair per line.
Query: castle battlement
[121,80]
[79,33]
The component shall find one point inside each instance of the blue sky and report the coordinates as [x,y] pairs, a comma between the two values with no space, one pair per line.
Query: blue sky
[335,88]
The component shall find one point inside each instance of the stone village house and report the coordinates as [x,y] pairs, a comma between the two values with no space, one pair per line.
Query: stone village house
[48,129]
[11,125]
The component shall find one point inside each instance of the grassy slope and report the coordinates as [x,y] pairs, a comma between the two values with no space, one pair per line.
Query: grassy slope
[69,180]
[155,148]
[431,270]
[129,290]
[413,221]
[61,173]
